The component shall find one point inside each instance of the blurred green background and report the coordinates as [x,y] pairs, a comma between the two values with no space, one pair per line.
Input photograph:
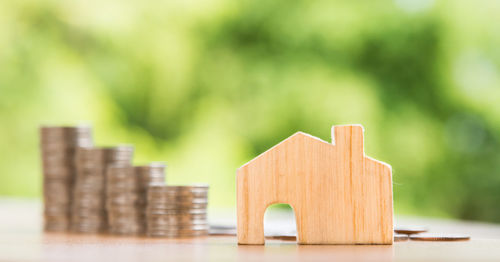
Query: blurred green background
[208,85]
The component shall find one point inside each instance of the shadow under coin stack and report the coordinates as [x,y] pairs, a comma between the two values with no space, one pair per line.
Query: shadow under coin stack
[58,146]
[177,211]
[148,175]
[88,212]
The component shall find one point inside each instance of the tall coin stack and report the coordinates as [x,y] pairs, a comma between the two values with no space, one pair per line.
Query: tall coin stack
[177,211]
[58,146]
[148,175]
[88,213]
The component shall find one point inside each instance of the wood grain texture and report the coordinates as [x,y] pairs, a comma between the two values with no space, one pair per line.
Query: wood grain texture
[339,195]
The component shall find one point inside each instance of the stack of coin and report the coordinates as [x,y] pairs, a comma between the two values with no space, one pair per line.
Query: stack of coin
[151,174]
[88,210]
[123,200]
[177,211]
[58,146]
[148,175]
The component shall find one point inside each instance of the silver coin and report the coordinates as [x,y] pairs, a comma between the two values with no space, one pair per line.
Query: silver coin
[175,211]
[439,237]
[177,234]
[409,230]
[400,237]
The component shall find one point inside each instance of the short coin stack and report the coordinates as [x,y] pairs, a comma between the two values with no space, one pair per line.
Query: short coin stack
[58,146]
[177,211]
[88,211]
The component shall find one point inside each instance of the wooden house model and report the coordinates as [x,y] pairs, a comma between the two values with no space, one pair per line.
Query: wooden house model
[338,194]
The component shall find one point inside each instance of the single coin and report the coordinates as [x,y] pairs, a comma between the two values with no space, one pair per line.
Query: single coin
[179,189]
[222,230]
[167,233]
[180,206]
[409,230]
[158,211]
[439,237]
[216,232]
[400,237]
[153,166]
[222,227]
[177,228]
[178,225]
[175,221]
[176,235]
[283,238]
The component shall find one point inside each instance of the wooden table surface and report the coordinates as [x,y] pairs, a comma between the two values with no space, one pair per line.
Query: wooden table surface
[21,239]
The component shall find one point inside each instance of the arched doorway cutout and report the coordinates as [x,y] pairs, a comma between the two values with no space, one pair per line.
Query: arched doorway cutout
[280,222]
